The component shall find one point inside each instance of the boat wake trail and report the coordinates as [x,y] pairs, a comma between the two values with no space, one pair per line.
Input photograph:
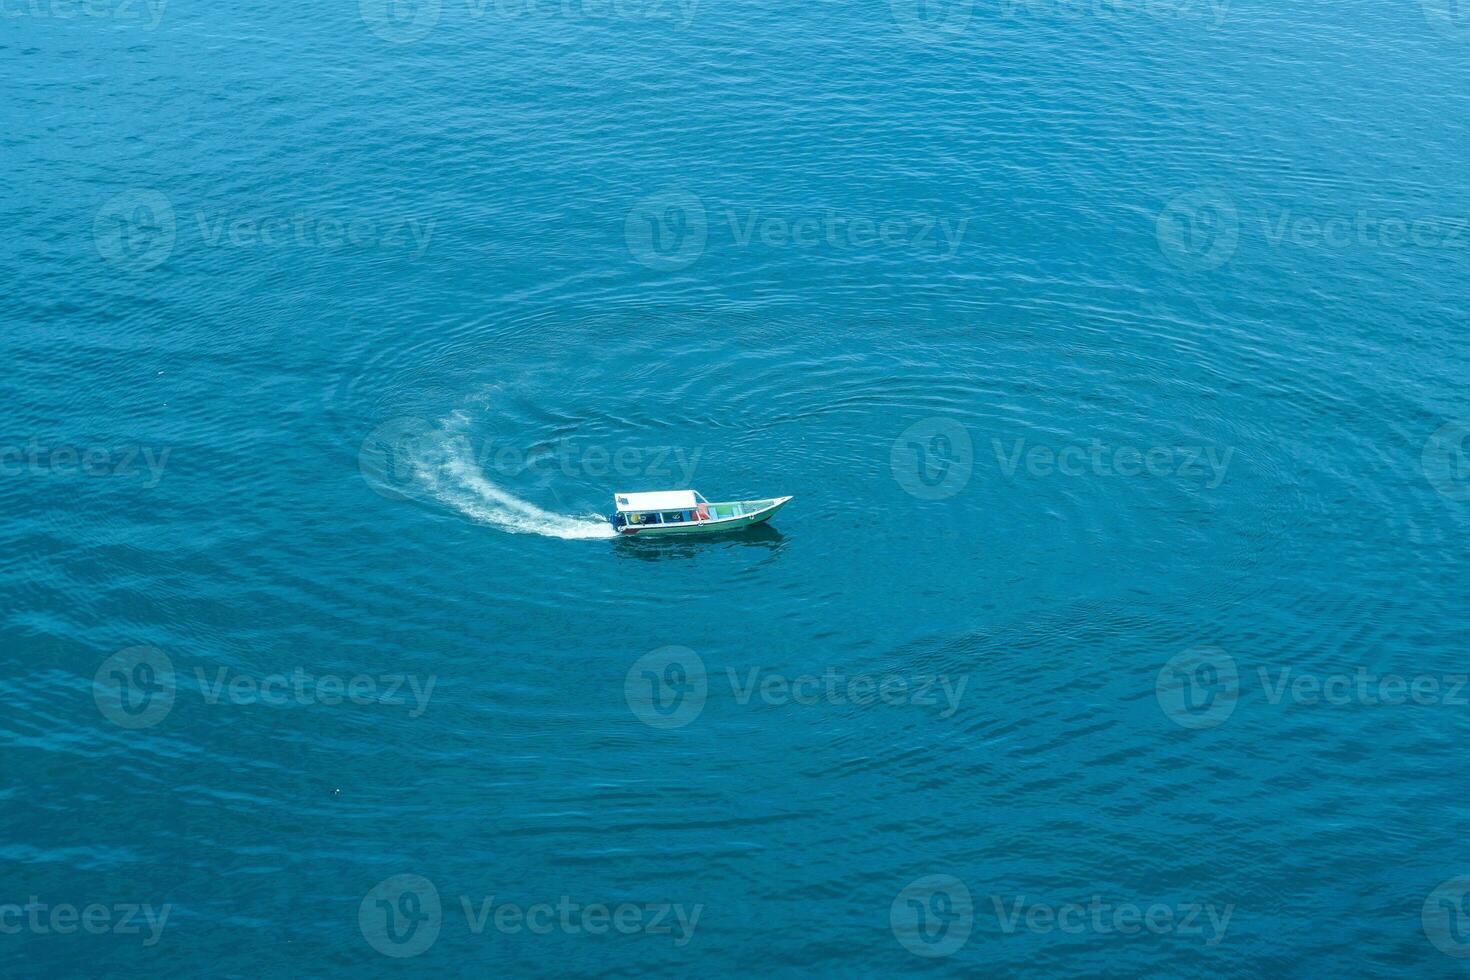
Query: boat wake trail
[449,471]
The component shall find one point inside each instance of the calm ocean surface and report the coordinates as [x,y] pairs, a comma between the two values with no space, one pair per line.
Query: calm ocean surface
[1115,356]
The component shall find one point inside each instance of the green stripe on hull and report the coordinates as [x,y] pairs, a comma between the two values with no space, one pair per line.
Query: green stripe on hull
[707,527]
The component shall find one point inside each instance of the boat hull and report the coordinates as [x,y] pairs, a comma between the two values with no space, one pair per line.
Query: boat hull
[705,527]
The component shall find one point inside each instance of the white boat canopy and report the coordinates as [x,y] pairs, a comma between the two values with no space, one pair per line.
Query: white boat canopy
[662,500]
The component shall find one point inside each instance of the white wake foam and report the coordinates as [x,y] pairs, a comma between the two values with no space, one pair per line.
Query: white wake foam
[453,476]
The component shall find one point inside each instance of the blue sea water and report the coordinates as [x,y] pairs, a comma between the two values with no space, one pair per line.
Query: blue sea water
[1112,351]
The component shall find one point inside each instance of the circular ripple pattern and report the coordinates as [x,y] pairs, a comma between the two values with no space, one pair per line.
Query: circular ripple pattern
[1127,556]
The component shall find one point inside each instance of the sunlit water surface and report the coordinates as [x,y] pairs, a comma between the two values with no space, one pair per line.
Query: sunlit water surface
[1084,337]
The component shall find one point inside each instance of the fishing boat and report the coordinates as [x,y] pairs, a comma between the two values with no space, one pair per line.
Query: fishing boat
[687,512]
